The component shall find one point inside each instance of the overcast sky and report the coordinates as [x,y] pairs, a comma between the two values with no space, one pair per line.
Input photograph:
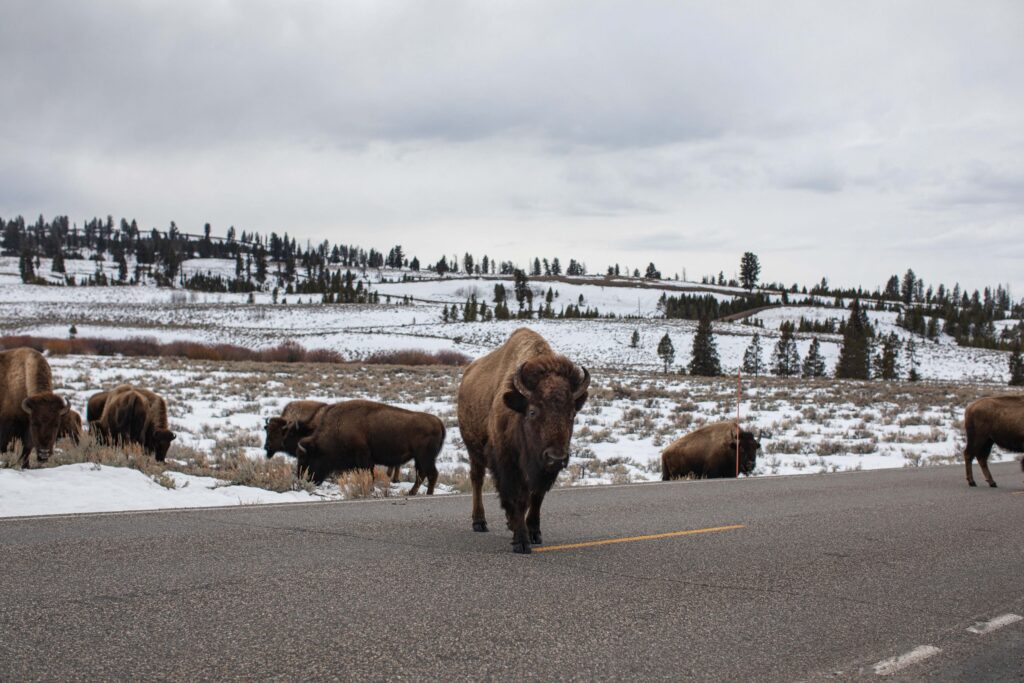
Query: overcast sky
[847,139]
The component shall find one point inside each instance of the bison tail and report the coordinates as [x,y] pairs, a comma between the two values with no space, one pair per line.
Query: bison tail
[664,474]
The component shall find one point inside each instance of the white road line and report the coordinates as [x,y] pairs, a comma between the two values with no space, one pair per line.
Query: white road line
[983,627]
[894,664]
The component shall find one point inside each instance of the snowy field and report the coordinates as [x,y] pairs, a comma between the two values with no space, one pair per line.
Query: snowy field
[634,412]
[218,409]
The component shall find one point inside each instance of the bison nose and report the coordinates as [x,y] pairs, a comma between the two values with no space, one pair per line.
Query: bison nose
[554,456]
[43,454]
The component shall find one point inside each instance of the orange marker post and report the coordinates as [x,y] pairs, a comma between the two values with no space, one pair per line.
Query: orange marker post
[738,384]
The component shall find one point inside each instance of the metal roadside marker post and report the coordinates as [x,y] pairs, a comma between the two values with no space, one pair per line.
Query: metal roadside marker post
[738,384]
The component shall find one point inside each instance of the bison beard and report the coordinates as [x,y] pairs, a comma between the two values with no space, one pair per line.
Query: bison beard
[516,411]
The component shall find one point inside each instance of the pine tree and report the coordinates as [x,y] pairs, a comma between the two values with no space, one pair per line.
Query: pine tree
[887,360]
[912,374]
[785,357]
[855,354]
[652,272]
[814,363]
[58,262]
[666,351]
[27,266]
[634,341]
[1016,366]
[704,360]
[750,270]
[753,363]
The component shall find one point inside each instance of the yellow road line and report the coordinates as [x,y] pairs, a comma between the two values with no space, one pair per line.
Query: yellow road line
[630,539]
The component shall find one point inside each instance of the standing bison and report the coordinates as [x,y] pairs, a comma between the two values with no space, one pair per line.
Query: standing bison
[710,452]
[284,432]
[360,434]
[999,421]
[516,409]
[29,410]
[135,415]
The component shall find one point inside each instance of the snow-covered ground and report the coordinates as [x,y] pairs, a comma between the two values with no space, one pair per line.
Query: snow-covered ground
[634,411]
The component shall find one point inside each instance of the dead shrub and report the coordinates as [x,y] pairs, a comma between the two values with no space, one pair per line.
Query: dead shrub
[364,484]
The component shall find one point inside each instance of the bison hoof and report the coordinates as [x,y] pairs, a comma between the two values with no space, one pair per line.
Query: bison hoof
[521,547]
[992,484]
[480,526]
[971,483]
[535,537]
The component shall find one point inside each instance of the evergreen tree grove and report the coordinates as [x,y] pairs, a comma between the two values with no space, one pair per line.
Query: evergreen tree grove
[666,351]
[814,363]
[1016,366]
[785,357]
[855,354]
[704,360]
[753,363]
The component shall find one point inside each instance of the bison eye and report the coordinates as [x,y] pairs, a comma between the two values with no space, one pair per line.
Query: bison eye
[532,412]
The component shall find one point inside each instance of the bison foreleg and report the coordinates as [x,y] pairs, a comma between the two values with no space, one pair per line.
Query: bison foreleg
[476,476]
[533,517]
[514,498]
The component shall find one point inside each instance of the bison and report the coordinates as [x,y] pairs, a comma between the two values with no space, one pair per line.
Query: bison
[136,415]
[284,432]
[360,434]
[29,410]
[298,420]
[516,410]
[70,426]
[997,420]
[710,452]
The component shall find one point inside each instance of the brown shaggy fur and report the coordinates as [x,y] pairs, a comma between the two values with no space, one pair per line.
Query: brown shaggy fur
[136,415]
[522,439]
[26,383]
[360,434]
[710,453]
[282,436]
[71,426]
[997,420]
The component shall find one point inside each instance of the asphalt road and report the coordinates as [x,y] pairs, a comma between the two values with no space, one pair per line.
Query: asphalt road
[841,576]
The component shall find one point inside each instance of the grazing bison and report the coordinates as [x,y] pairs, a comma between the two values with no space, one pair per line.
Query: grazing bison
[29,410]
[135,415]
[360,434]
[284,432]
[710,452]
[516,409]
[297,421]
[998,420]
[70,426]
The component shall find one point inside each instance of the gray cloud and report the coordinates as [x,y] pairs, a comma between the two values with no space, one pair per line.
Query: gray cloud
[836,138]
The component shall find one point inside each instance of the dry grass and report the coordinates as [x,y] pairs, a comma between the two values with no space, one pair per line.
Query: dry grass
[372,483]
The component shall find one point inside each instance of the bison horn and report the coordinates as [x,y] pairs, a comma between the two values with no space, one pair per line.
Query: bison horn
[26,407]
[584,384]
[517,381]
[67,406]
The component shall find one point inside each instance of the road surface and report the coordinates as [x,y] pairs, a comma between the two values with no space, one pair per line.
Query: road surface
[870,575]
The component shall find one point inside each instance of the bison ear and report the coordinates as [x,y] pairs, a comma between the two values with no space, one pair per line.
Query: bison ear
[515,401]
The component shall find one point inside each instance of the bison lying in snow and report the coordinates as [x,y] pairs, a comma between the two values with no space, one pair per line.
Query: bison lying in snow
[710,452]
[360,434]
[999,421]
[135,415]
[29,410]
[516,408]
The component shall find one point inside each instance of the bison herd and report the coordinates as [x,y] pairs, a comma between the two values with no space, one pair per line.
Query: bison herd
[516,410]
